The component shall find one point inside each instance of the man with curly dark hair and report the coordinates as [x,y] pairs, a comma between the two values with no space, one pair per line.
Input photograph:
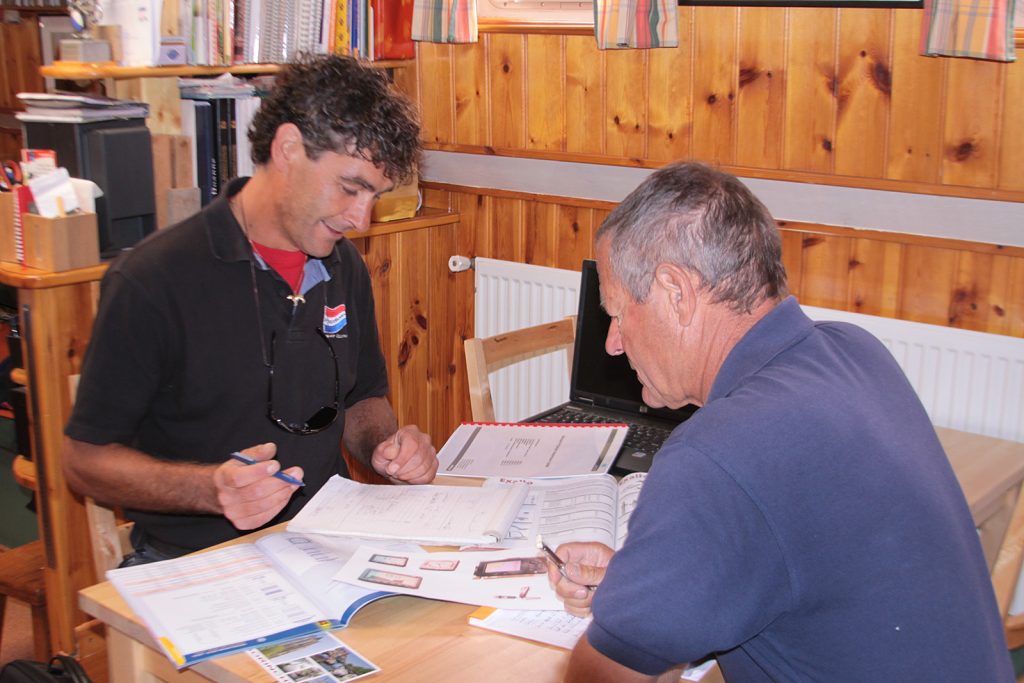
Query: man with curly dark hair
[252,322]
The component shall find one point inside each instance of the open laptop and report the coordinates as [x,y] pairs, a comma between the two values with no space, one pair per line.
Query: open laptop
[604,388]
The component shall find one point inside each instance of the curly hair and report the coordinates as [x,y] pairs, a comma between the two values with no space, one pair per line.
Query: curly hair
[341,105]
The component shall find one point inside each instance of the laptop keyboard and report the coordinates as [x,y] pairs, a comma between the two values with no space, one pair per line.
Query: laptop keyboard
[641,437]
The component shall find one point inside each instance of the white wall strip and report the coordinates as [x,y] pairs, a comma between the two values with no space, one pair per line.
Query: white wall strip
[977,220]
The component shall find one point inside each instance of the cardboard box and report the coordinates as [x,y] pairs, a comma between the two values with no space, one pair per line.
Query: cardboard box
[64,243]
[401,202]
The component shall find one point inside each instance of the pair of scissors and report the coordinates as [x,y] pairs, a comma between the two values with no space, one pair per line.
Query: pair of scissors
[11,176]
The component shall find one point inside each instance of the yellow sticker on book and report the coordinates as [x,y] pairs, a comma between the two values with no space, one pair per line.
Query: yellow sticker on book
[172,651]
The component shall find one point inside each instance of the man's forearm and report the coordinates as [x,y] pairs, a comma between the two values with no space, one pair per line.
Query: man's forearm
[118,475]
[367,424]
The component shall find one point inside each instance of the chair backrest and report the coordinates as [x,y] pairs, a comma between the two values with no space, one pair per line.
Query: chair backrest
[485,355]
[108,535]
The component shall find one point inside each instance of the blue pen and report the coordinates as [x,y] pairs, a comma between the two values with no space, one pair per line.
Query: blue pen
[279,474]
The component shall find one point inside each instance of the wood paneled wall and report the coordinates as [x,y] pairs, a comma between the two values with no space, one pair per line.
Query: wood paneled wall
[818,94]
[835,96]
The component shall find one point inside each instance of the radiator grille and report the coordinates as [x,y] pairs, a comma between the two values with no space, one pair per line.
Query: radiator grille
[514,295]
[971,381]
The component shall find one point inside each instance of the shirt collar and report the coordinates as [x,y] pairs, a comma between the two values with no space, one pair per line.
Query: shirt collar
[228,243]
[781,328]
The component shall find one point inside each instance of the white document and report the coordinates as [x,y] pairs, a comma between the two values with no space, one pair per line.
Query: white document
[554,627]
[53,193]
[453,515]
[522,449]
[586,508]
[513,579]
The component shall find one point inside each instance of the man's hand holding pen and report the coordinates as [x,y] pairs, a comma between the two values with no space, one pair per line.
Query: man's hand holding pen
[251,488]
[581,571]
[406,457]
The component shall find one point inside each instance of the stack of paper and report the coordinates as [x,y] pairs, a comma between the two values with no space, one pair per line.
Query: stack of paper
[455,515]
[524,449]
[66,107]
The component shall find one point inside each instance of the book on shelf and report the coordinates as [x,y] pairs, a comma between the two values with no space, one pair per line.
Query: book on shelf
[223,112]
[205,158]
[240,596]
[449,515]
[392,29]
[524,449]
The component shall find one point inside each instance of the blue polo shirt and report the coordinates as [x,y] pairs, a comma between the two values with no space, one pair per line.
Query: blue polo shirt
[804,525]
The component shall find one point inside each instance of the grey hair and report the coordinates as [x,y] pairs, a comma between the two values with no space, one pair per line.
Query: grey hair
[703,220]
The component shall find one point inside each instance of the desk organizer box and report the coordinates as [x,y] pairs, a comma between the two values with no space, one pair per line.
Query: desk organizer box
[52,244]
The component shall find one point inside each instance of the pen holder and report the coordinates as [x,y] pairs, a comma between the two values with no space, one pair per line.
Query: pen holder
[62,243]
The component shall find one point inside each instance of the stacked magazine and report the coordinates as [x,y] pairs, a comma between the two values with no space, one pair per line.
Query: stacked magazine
[69,107]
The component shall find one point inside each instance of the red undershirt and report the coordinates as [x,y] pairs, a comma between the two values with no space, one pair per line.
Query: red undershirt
[288,264]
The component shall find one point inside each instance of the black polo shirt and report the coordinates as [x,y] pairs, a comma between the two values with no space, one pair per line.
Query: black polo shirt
[175,366]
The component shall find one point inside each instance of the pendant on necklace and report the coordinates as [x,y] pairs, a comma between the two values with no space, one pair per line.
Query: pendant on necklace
[296,299]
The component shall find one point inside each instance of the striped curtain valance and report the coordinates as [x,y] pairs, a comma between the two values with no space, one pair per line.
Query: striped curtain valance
[444,21]
[635,23]
[982,29]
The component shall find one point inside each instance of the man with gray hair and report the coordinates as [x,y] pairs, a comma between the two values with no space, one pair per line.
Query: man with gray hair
[804,524]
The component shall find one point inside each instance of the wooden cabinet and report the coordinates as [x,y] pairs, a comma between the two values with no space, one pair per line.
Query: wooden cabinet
[19,71]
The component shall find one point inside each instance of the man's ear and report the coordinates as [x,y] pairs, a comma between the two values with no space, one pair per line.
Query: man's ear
[679,289]
[287,146]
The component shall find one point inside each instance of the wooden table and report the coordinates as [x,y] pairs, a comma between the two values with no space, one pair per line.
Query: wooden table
[411,639]
[990,472]
[416,640]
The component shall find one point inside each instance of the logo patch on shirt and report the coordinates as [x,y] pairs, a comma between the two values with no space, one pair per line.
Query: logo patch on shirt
[335,319]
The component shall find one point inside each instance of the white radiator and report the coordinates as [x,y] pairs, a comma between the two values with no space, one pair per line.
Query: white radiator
[972,381]
[513,295]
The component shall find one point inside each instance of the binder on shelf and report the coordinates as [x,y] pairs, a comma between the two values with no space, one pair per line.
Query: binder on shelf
[392,29]
[204,151]
[222,112]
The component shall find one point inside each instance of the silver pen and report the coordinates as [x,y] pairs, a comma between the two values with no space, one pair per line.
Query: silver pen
[558,562]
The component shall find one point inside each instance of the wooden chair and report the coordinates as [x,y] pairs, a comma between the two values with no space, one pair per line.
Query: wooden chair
[21,573]
[108,532]
[21,578]
[485,355]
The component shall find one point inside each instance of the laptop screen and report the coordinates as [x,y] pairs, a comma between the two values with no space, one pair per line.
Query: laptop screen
[606,381]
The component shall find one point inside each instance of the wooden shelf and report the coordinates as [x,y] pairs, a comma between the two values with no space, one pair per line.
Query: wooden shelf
[97,70]
[34,10]
[23,277]
[427,217]
[16,275]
